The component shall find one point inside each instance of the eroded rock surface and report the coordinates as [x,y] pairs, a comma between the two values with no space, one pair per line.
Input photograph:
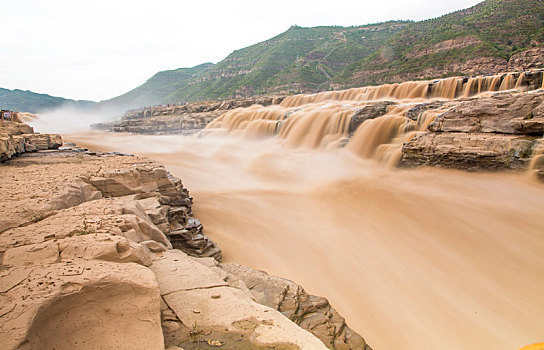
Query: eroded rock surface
[185,119]
[499,131]
[17,138]
[311,312]
[87,261]
[203,306]
[528,59]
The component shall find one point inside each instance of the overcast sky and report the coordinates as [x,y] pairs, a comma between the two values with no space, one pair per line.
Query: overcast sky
[102,48]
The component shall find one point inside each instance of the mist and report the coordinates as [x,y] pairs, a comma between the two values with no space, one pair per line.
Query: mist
[69,120]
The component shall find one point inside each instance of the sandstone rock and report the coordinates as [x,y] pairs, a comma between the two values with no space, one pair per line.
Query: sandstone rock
[72,194]
[508,113]
[167,206]
[494,131]
[470,151]
[77,304]
[55,141]
[40,141]
[167,203]
[367,112]
[15,128]
[188,298]
[30,148]
[74,275]
[18,144]
[7,148]
[153,246]
[416,112]
[312,313]
[186,119]
[88,247]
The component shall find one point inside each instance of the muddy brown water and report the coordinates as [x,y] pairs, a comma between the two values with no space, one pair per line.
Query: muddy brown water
[413,259]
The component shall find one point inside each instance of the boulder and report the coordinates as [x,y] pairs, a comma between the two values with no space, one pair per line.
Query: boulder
[40,141]
[370,111]
[55,141]
[7,148]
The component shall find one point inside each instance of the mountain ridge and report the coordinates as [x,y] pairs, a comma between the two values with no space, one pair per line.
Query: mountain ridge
[33,102]
[478,40]
[298,60]
[491,37]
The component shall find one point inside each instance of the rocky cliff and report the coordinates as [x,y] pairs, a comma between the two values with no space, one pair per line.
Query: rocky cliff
[17,138]
[186,119]
[502,131]
[101,250]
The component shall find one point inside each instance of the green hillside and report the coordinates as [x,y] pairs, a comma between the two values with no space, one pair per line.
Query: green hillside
[157,88]
[494,29]
[300,59]
[478,40]
[28,101]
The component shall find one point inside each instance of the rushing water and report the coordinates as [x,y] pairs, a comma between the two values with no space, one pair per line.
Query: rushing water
[414,259]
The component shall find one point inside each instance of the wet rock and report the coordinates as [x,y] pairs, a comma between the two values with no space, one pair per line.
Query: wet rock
[494,131]
[416,112]
[367,112]
[185,119]
[507,113]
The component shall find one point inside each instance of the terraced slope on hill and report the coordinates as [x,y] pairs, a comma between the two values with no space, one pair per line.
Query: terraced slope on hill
[298,60]
[478,40]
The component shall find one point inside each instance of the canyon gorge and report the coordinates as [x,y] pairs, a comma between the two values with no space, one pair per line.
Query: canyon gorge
[369,178]
[363,196]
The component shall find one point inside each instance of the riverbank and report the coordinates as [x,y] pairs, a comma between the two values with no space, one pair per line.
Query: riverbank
[412,258]
[88,247]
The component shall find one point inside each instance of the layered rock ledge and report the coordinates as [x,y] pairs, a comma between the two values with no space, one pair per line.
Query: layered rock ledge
[103,251]
[499,131]
[494,130]
[185,119]
[17,138]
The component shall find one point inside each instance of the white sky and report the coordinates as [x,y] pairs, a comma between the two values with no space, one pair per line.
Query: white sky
[102,48]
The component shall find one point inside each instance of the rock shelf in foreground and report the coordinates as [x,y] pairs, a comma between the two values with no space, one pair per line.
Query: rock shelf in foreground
[89,260]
